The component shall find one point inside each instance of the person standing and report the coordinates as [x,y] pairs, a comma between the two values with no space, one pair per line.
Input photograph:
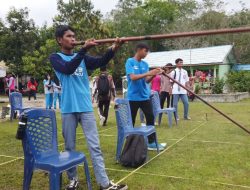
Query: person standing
[180,75]
[57,92]
[105,90]
[32,87]
[48,91]
[12,83]
[166,87]
[71,70]
[138,76]
[156,83]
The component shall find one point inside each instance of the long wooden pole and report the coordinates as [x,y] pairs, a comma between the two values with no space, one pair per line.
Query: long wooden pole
[173,35]
[220,112]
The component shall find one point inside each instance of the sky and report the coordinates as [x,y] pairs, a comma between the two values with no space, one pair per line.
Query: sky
[42,11]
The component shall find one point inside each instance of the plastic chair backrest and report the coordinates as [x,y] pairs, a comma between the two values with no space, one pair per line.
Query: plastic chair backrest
[41,132]
[155,101]
[123,114]
[16,101]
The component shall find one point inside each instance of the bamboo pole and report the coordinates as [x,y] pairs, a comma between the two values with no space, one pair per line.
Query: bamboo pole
[172,35]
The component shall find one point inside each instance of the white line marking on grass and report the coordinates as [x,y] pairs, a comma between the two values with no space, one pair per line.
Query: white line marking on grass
[183,178]
[207,141]
[84,136]
[6,156]
[10,161]
[134,171]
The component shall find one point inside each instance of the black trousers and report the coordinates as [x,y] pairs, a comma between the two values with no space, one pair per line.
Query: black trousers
[147,109]
[32,93]
[163,97]
[103,107]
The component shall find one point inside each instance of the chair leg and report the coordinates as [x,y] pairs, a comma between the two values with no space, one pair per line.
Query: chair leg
[28,172]
[54,181]
[159,118]
[156,142]
[86,170]
[12,114]
[120,141]
[175,117]
[169,119]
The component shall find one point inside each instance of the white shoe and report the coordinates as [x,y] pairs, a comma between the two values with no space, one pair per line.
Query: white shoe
[102,119]
[143,124]
[163,144]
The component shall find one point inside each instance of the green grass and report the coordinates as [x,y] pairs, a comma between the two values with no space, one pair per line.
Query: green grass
[208,152]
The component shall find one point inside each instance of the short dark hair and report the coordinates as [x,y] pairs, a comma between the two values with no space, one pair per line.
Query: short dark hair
[61,29]
[178,60]
[168,65]
[103,68]
[141,46]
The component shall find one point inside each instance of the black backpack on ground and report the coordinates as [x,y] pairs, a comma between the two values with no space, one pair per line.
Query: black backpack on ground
[103,86]
[134,153]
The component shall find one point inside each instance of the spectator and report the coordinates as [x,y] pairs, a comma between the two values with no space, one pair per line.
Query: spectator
[57,92]
[12,83]
[156,84]
[166,87]
[105,90]
[32,88]
[181,76]
[48,91]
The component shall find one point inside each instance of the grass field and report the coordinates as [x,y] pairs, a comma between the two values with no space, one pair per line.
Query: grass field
[208,152]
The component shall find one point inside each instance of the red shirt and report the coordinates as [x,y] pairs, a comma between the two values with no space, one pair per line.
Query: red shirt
[32,86]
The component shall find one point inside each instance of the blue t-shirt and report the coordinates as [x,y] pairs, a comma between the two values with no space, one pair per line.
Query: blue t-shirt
[76,95]
[138,90]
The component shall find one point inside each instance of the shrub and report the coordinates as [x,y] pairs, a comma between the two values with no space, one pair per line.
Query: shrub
[218,86]
[197,89]
[239,81]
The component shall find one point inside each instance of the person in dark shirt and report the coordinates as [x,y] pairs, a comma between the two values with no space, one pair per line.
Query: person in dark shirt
[71,70]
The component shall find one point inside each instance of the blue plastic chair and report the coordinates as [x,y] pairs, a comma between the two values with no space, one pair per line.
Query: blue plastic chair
[41,152]
[125,126]
[158,111]
[16,103]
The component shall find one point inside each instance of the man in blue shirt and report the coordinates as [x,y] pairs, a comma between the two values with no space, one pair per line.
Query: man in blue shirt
[71,70]
[138,76]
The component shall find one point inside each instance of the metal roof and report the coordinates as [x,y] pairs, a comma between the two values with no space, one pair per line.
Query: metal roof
[241,67]
[197,56]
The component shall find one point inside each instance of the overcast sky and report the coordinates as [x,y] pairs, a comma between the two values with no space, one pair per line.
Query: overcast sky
[44,10]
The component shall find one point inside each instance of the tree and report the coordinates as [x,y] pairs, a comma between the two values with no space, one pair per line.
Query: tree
[38,64]
[19,38]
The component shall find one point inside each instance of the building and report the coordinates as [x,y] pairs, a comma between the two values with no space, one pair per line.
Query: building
[241,67]
[217,59]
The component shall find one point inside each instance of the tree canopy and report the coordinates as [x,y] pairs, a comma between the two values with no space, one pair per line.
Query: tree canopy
[26,48]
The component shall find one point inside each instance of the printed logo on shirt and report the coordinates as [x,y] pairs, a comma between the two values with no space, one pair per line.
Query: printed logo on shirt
[78,72]
[136,67]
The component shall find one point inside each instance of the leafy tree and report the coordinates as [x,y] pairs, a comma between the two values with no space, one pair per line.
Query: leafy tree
[18,39]
[37,64]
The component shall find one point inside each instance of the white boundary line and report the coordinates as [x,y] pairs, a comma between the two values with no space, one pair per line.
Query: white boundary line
[6,156]
[84,136]
[178,177]
[182,178]
[4,163]
[134,171]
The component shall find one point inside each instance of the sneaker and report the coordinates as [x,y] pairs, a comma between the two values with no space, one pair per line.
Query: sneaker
[163,144]
[187,118]
[73,184]
[113,186]
[102,119]
[152,146]
[143,124]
